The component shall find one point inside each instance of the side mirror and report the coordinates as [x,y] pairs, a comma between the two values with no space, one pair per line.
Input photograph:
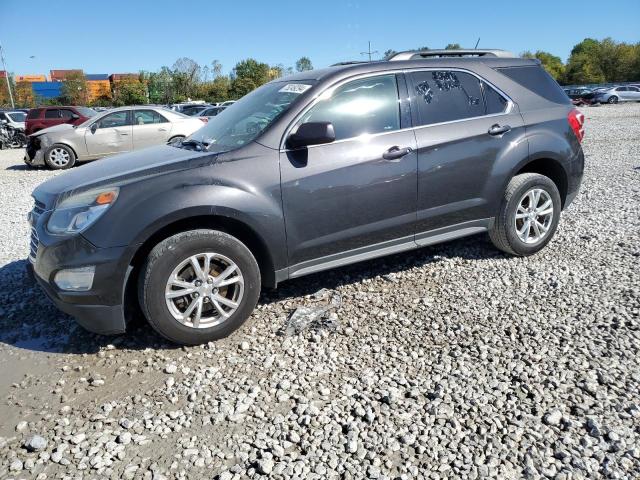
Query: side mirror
[312,133]
[94,127]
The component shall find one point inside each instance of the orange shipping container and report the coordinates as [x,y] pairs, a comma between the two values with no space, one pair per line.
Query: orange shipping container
[31,78]
[98,88]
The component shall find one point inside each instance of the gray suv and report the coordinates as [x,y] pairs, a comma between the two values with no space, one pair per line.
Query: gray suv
[310,172]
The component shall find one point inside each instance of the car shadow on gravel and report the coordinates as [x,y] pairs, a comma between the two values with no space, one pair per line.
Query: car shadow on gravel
[19,167]
[30,321]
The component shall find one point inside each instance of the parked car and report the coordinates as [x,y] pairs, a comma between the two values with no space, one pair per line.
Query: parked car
[211,112]
[618,94]
[580,96]
[228,103]
[307,173]
[13,118]
[195,110]
[115,131]
[45,117]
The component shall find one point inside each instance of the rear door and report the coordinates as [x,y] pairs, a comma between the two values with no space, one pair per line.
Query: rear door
[149,128]
[467,134]
[110,134]
[633,94]
[356,195]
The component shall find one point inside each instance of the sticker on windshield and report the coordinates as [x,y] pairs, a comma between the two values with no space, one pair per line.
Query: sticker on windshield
[295,88]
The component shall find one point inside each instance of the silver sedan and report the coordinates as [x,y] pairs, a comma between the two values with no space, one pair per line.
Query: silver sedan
[618,94]
[115,131]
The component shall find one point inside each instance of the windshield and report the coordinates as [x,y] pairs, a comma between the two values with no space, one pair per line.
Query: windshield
[243,121]
[87,112]
[18,116]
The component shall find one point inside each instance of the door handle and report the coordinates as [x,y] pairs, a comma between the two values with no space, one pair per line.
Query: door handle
[162,129]
[498,129]
[396,152]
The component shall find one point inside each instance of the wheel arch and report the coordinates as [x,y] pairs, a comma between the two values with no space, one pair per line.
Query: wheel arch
[552,169]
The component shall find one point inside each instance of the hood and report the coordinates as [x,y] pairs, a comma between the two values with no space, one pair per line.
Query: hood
[63,127]
[121,169]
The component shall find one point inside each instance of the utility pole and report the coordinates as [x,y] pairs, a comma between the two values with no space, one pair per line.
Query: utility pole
[369,52]
[6,74]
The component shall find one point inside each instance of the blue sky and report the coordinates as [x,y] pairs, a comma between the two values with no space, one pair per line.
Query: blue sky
[111,36]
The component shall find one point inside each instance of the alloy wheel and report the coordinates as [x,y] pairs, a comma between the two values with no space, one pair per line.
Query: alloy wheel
[534,216]
[59,157]
[204,290]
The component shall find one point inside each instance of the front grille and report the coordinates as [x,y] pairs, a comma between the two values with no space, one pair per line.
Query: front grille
[33,245]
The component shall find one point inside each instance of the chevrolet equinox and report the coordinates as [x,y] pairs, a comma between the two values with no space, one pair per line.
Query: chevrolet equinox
[310,172]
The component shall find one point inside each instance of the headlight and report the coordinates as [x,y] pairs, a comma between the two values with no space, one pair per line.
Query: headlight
[77,212]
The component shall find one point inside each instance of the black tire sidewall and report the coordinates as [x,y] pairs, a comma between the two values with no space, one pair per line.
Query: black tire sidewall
[160,269]
[72,157]
[518,246]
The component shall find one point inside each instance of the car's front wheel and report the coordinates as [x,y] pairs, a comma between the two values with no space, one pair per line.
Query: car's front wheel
[528,216]
[612,99]
[59,157]
[198,286]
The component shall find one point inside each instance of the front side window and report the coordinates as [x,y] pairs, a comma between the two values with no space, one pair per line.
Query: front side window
[66,114]
[116,119]
[35,113]
[52,113]
[365,106]
[146,117]
[446,95]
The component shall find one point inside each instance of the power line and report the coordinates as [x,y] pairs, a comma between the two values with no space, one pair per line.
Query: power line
[369,52]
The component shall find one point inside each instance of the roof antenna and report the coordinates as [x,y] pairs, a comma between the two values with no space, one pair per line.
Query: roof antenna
[477,44]
[369,52]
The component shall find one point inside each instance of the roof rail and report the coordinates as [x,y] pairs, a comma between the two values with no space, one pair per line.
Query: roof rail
[418,54]
[349,62]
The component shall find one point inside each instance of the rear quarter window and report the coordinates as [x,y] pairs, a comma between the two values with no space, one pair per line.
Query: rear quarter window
[536,79]
[34,113]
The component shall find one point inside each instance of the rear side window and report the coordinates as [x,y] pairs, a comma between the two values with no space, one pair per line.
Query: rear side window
[52,113]
[495,103]
[537,80]
[35,113]
[446,95]
[365,106]
[66,113]
[145,117]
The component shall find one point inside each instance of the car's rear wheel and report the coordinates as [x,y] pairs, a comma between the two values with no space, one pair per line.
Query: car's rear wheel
[198,286]
[612,99]
[528,216]
[59,157]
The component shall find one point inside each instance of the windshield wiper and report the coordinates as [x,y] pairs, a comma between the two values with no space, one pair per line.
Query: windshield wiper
[199,146]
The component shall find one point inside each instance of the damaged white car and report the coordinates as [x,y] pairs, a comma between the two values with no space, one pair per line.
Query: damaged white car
[115,131]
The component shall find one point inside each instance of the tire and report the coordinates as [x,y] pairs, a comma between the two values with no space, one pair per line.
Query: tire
[176,139]
[171,257]
[612,99]
[59,157]
[507,231]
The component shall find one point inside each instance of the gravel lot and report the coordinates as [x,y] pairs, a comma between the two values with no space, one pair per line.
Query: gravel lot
[455,361]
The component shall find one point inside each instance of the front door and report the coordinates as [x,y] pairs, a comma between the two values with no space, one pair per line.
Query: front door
[356,196]
[110,134]
[149,128]
[468,132]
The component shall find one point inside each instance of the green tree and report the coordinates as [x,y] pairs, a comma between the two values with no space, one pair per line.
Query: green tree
[303,64]
[161,88]
[129,92]
[5,98]
[598,61]
[74,89]
[552,64]
[24,95]
[216,90]
[388,54]
[248,75]
[453,46]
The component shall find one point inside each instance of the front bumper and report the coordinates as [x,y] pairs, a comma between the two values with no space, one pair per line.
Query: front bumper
[100,309]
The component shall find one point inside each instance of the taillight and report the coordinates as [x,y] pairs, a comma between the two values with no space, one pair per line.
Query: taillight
[204,119]
[576,121]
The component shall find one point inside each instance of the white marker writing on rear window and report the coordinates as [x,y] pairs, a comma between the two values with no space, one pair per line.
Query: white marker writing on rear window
[295,88]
